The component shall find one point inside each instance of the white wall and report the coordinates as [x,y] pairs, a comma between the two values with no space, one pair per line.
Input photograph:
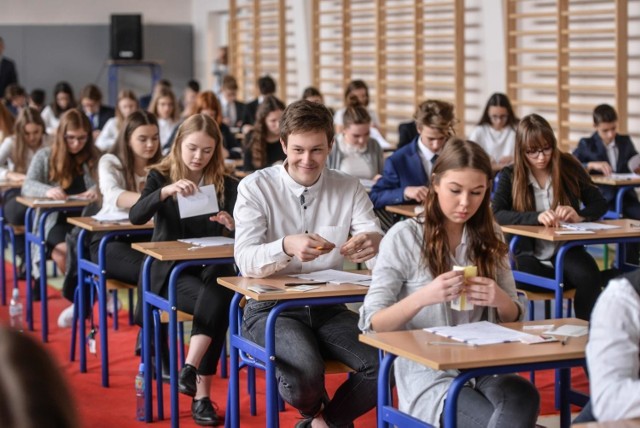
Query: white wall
[52,12]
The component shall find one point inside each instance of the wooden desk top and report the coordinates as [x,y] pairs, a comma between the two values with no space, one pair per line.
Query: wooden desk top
[179,251]
[93,225]
[8,184]
[406,210]
[239,284]
[627,423]
[414,346]
[51,203]
[628,229]
[611,181]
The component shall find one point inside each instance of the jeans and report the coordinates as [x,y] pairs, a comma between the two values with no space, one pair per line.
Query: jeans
[305,337]
[508,401]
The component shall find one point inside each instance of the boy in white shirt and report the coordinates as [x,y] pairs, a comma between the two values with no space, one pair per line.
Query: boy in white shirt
[297,218]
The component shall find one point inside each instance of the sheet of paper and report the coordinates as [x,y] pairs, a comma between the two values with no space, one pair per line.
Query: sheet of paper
[481,333]
[569,330]
[586,225]
[624,176]
[261,289]
[367,184]
[111,217]
[209,241]
[200,203]
[335,277]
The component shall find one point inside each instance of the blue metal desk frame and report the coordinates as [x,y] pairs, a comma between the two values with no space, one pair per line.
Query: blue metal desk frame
[87,269]
[387,414]
[38,239]
[3,268]
[152,300]
[266,354]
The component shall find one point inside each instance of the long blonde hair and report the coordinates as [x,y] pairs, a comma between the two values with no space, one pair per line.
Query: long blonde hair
[19,149]
[214,172]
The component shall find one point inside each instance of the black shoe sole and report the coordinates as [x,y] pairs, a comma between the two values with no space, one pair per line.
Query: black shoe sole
[186,391]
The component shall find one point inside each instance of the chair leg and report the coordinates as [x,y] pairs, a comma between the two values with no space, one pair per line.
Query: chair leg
[131,307]
[223,361]
[12,238]
[74,326]
[114,295]
[158,349]
[181,340]
[251,386]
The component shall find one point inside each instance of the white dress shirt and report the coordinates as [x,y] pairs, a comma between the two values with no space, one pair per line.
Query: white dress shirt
[426,157]
[7,162]
[107,137]
[112,184]
[613,353]
[51,122]
[165,129]
[543,196]
[271,205]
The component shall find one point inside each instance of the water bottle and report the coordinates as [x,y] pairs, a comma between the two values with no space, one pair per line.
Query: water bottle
[15,310]
[140,393]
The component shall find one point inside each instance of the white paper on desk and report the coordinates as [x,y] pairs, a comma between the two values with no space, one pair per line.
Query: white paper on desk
[624,176]
[209,241]
[480,333]
[336,277]
[116,217]
[569,330]
[586,225]
[205,201]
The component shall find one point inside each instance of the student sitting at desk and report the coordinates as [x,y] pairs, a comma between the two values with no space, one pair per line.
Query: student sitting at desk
[613,349]
[66,168]
[496,131]
[297,218]
[406,173]
[195,160]
[606,152]
[63,100]
[165,107]
[413,283]
[122,174]
[354,151]
[16,153]
[127,103]
[546,186]
[263,146]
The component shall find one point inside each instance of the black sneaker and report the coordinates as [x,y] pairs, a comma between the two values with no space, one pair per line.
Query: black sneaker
[204,412]
[187,381]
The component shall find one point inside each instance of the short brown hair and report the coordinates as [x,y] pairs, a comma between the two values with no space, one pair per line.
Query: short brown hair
[306,116]
[436,114]
[91,92]
[229,83]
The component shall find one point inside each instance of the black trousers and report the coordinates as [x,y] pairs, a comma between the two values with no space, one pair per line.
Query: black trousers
[14,213]
[580,272]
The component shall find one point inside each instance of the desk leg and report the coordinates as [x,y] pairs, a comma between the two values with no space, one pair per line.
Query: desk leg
[384,391]
[146,341]
[451,403]
[28,227]
[3,270]
[232,417]
[44,305]
[82,332]
[273,418]
[564,376]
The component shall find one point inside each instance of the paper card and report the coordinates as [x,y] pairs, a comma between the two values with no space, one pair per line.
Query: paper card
[262,288]
[303,287]
[202,202]
[569,330]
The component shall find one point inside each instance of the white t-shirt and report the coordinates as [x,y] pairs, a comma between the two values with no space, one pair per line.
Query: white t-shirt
[497,144]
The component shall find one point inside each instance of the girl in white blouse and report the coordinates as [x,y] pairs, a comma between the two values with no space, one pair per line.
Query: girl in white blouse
[127,104]
[164,106]
[414,283]
[496,131]
[63,100]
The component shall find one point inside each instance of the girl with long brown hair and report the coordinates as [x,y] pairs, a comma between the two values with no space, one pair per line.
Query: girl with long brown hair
[195,160]
[547,187]
[414,283]
[263,148]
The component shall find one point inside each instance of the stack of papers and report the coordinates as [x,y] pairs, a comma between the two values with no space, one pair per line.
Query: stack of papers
[569,330]
[624,176]
[481,333]
[336,277]
[209,241]
[588,226]
[111,218]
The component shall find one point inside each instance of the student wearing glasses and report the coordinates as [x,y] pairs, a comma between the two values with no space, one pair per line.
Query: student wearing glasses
[66,168]
[545,186]
[496,131]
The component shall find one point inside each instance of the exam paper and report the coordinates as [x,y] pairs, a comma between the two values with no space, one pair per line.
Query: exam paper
[586,225]
[335,277]
[481,333]
[112,217]
[202,202]
[569,330]
[209,241]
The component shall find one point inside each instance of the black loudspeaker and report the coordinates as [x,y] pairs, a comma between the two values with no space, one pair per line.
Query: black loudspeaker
[126,37]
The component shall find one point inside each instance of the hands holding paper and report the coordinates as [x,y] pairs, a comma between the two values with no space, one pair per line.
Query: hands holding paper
[562,213]
[56,193]
[183,187]
[361,247]
[602,166]
[306,246]
[225,219]
[444,288]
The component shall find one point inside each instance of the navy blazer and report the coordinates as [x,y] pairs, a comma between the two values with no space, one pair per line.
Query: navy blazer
[403,168]
[592,149]
[8,74]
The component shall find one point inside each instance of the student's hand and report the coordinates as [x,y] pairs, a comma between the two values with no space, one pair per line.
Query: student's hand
[225,219]
[637,170]
[443,288]
[90,195]
[379,176]
[306,246]
[567,214]
[417,193]
[548,218]
[15,176]
[56,193]
[601,166]
[483,291]
[361,247]
[184,187]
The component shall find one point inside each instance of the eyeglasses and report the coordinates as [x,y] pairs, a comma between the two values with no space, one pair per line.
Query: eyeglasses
[78,138]
[498,118]
[535,153]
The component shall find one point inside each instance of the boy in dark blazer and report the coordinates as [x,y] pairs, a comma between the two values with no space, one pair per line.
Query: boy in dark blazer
[607,152]
[98,114]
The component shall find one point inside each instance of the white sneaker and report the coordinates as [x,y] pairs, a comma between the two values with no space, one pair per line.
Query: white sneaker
[110,304]
[65,320]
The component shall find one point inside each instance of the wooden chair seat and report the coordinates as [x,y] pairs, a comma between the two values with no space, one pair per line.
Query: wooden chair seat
[114,284]
[18,230]
[182,317]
